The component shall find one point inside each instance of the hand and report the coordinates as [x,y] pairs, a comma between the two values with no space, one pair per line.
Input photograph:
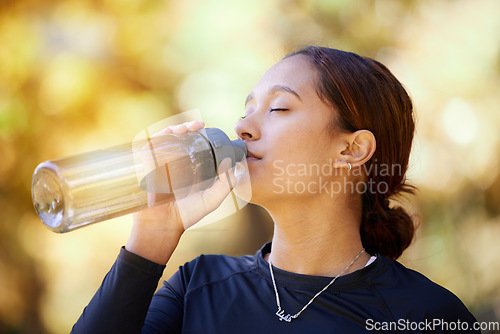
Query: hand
[157,229]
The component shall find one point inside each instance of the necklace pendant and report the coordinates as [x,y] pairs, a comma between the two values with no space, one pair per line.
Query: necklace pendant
[281,315]
[288,318]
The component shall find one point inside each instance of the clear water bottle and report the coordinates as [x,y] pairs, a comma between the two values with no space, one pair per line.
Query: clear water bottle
[76,191]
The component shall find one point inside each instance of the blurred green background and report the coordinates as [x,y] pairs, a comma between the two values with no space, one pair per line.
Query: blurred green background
[81,75]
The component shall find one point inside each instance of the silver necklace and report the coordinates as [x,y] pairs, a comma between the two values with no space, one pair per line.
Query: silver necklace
[288,318]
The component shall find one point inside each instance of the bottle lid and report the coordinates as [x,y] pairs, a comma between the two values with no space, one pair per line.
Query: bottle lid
[223,147]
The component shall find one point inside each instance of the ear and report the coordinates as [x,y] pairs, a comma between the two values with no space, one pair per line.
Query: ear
[360,147]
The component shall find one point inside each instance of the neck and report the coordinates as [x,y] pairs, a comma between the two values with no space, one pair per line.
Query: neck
[317,238]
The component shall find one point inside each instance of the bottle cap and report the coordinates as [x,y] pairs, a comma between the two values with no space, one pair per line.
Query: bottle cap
[223,147]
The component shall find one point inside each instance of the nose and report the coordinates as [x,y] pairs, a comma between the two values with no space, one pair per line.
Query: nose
[247,128]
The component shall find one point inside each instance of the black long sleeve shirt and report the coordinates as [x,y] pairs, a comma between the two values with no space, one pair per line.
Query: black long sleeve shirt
[222,294]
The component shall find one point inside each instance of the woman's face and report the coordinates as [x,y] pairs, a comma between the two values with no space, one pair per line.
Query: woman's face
[287,131]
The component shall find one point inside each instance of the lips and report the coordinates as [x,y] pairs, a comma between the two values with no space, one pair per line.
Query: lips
[252,156]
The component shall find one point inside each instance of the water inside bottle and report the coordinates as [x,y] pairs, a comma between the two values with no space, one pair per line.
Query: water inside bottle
[48,197]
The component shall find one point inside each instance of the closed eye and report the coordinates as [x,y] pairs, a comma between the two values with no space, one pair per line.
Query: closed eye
[272,109]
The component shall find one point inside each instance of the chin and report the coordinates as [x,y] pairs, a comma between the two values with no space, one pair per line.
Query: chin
[243,188]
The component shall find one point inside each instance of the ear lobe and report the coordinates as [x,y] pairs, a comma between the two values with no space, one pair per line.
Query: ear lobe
[362,145]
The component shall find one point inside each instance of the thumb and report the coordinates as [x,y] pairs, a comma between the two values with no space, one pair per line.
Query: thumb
[196,206]
[226,174]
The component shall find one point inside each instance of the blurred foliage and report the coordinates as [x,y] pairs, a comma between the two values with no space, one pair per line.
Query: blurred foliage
[80,75]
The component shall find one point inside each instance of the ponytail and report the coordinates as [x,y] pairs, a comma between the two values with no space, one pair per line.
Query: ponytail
[384,230]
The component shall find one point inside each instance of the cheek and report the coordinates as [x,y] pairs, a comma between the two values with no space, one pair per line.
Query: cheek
[300,141]
[310,153]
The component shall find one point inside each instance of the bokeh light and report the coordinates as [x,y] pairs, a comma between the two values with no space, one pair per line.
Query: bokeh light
[82,75]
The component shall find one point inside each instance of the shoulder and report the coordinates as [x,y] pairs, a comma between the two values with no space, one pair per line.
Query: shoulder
[417,296]
[416,283]
[211,269]
[216,267]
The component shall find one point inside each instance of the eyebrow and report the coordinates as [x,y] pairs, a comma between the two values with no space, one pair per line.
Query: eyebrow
[276,88]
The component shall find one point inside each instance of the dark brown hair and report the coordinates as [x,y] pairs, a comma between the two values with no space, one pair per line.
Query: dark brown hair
[366,95]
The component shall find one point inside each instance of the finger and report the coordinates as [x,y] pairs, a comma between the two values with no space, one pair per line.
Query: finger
[196,206]
[178,129]
[215,195]
[163,132]
[224,166]
[195,125]
[193,208]
[226,173]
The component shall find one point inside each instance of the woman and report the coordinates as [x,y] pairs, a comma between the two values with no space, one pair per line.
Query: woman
[329,135]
